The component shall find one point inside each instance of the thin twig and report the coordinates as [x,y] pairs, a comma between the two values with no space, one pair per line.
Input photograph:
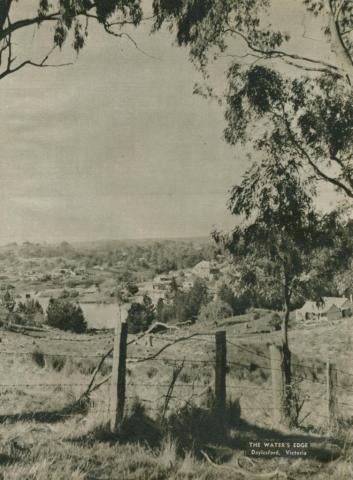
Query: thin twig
[176,373]
[95,373]
[254,476]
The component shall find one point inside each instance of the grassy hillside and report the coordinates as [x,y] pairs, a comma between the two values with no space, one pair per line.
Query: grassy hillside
[45,434]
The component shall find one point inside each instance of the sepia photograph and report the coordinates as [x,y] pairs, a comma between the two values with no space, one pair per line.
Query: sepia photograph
[176,241]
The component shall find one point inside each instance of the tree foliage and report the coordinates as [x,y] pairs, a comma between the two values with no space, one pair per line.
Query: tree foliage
[214,311]
[280,233]
[8,301]
[70,20]
[238,303]
[209,28]
[276,241]
[65,315]
[30,311]
[307,112]
[312,112]
[184,306]
[140,315]
[311,120]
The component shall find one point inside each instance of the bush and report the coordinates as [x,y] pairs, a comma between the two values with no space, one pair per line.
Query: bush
[238,303]
[140,315]
[30,311]
[275,322]
[215,310]
[38,358]
[63,314]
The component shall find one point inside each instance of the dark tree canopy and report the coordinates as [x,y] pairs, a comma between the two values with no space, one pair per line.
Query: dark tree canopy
[140,315]
[311,109]
[280,233]
[209,28]
[65,315]
[70,21]
[312,121]
[286,99]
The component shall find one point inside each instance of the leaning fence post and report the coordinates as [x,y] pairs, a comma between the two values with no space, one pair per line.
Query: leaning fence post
[331,379]
[117,392]
[221,370]
[278,385]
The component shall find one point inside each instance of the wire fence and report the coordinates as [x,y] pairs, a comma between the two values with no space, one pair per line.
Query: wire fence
[249,373]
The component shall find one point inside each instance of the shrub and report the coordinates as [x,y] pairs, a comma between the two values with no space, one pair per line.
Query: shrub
[275,321]
[152,372]
[8,301]
[30,311]
[238,303]
[140,315]
[56,362]
[132,288]
[215,310]
[63,314]
[38,358]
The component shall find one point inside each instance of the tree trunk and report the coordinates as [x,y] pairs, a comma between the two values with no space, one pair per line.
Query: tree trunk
[285,323]
[289,406]
[343,58]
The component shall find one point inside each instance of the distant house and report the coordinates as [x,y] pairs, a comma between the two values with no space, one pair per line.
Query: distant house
[202,269]
[161,282]
[344,304]
[206,270]
[331,308]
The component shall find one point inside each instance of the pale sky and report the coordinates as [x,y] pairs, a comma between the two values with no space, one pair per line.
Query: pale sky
[114,146]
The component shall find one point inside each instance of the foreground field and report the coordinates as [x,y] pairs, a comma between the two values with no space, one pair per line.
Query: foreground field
[77,449]
[46,434]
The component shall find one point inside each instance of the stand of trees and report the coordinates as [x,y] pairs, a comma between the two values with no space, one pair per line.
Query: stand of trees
[279,239]
[140,315]
[184,306]
[65,315]
[30,311]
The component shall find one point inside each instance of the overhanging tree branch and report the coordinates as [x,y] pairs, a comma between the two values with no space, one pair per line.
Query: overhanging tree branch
[337,43]
[107,28]
[9,70]
[274,53]
[301,150]
[27,23]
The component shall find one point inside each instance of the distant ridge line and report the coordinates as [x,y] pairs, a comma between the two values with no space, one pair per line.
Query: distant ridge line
[117,241]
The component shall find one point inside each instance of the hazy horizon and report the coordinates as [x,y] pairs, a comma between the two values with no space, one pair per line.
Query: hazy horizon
[108,240]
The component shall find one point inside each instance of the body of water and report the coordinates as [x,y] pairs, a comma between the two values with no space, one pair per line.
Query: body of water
[97,315]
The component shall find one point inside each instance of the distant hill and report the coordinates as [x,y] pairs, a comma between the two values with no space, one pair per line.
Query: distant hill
[109,243]
[113,243]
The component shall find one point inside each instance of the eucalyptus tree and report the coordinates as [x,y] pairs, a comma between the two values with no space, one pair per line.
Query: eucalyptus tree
[209,28]
[311,108]
[277,238]
[70,20]
[274,93]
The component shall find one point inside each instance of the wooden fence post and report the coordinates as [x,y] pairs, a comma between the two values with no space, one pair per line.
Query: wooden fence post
[278,386]
[221,370]
[117,393]
[331,378]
